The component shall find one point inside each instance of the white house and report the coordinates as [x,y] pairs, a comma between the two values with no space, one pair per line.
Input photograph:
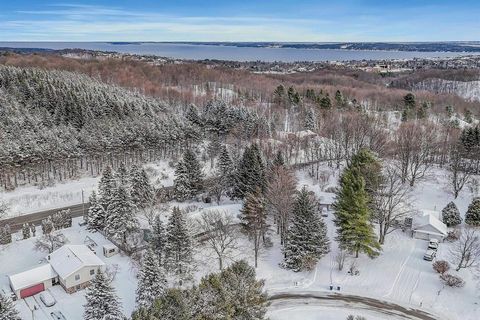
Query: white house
[428,227]
[71,266]
[76,266]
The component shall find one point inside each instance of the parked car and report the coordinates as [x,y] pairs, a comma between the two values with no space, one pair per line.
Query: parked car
[47,299]
[57,315]
[429,255]
[433,244]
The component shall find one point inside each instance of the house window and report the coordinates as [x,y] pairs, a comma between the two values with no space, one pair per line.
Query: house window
[77,277]
[92,272]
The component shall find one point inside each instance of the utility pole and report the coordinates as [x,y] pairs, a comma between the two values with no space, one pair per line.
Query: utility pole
[83,207]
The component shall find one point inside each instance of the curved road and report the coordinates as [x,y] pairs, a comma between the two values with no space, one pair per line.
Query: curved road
[347,301]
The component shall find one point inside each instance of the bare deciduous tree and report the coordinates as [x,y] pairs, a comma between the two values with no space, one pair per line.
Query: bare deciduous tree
[465,252]
[218,233]
[460,169]
[280,197]
[390,202]
[340,258]
[415,144]
[50,242]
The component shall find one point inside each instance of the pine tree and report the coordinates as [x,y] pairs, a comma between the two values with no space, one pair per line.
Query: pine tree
[174,304]
[158,239]
[122,175]
[188,177]
[352,215]
[451,215]
[250,173]
[194,170]
[310,122]
[101,299]
[7,309]
[254,220]
[26,231]
[96,217]
[121,219]
[307,239]
[472,217]
[181,183]
[226,171]
[140,189]
[234,293]
[151,280]
[178,248]
[106,187]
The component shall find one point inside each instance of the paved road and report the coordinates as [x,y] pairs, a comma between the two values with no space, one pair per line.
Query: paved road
[36,218]
[337,300]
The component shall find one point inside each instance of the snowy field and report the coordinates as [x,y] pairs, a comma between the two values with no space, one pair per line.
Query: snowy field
[398,275]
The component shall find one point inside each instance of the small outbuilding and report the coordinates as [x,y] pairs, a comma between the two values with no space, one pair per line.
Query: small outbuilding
[429,227]
[110,250]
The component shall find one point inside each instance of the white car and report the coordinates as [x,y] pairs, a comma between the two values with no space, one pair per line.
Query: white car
[433,244]
[429,255]
[47,299]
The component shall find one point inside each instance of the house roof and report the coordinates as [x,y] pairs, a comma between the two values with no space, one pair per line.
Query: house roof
[428,221]
[71,258]
[32,277]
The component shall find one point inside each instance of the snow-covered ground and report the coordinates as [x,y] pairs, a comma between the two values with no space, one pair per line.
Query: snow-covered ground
[28,199]
[399,274]
[21,255]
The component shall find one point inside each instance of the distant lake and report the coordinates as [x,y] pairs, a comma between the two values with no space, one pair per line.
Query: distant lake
[200,52]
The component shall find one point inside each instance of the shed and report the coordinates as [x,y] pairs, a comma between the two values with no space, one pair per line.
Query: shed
[429,227]
[33,281]
[110,250]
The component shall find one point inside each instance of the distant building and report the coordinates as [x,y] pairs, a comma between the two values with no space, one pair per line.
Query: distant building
[71,266]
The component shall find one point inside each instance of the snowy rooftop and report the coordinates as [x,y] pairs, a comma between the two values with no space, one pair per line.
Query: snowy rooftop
[71,258]
[32,277]
[430,219]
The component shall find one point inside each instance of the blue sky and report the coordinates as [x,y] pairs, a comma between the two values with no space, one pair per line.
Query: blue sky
[245,20]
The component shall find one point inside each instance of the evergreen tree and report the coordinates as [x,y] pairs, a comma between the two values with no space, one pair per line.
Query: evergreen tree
[122,175]
[158,239]
[174,304]
[140,189]
[26,231]
[250,173]
[254,220]
[106,187]
[181,183]
[472,217]
[121,219]
[451,215]
[151,280]
[310,121]
[325,102]
[101,299]
[226,171]
[234,293]
[370,169]
[339,98]
[307,239]
[279,160]
[352,215]
[188,177]
[7,309]
[96,217]
[178,248]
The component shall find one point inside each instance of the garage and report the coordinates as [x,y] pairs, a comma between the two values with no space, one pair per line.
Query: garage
[32,290]
[33,281]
